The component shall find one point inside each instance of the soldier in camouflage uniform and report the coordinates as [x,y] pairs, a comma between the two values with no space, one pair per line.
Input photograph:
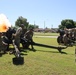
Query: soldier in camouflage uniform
[24,30]
[3,45]
[22,40]
[7,36]
[17,36]
[28,36]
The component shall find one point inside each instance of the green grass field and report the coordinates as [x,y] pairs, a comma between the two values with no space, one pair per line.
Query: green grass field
[45,34]
[45,61]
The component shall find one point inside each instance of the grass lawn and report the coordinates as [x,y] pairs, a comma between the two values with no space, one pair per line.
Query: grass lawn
[45,61]
[45,34]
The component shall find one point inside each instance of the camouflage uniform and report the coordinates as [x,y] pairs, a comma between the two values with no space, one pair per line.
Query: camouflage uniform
[68,36]
[23,32]
[3,45]
[22,39]
[8,36]
[17,37]
[28,36]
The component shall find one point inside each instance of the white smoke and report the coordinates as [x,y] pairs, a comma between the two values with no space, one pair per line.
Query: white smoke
[4,20]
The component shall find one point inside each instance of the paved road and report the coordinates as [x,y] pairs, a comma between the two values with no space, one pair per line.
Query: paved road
[47,36]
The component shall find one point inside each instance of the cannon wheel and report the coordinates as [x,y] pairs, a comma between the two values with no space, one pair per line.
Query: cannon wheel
[59,39]
[24,43]
[25,46]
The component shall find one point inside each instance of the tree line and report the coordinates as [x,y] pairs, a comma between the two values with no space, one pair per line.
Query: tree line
[67,23]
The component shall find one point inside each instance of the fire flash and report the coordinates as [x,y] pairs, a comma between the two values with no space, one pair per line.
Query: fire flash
[4,23]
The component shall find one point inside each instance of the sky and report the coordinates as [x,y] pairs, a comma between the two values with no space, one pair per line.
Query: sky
[44,13]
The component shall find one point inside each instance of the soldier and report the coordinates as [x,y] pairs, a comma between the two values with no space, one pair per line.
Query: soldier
[60,37]
[3,45]
[22,40]
[68,36]
[73,34]
[28,36]
[8,36]
[17,36]
[24,30]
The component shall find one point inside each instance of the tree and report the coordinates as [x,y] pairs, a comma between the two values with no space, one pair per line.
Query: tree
[36,26]
[67,23]
[32,26]
[20,21]
[75,23]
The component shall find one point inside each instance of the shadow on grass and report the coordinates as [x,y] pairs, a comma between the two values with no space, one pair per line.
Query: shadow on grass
[34,50]
[63,53]
[23,54]
[3,53]
[29,49]
[52,51]
[0,55]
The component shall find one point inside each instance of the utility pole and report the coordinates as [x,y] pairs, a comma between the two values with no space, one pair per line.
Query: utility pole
[34,24]
[51,26]
[44,24]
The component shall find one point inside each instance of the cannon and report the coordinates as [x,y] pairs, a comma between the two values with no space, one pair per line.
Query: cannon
[26,44]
